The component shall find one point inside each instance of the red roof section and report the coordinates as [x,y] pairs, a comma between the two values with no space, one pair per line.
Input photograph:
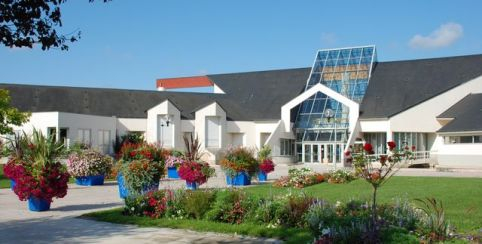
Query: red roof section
[184,82]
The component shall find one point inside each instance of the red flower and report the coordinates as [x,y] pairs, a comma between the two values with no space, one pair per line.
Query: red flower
[267,166]
[133,153]
[383,159]
[391,145]
[368,148]
[347,153]
[413,148]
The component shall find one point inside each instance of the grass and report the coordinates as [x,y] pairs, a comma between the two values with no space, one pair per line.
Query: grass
[461,198]
[4,181]
[291,235]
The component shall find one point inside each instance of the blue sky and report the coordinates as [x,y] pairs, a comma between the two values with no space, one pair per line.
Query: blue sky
[129,44]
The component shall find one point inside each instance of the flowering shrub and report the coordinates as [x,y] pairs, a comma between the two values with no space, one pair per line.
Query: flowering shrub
[88,163]
[51,181]
[34,168]
[340,176]
[194,172]
[299,178]
[267,166]
[174,161]
[131,151]
[239,159]
[153,204]
[141,174]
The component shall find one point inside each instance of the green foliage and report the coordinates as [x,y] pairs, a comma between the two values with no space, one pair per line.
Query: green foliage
[231,206]
[437,226]
[268,211]
[9,115]
[193,148]
[264,153]
[341,176]
[197,203]
[239,159]
[140,174]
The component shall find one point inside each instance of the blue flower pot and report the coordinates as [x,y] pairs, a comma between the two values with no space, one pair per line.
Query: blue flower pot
[12,184]
[191,186]
[93,180]
[124,192]
[241,179]
[38,204]
[172,173]
[262,176]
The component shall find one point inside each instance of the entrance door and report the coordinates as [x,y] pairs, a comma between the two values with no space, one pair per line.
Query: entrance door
[307,152]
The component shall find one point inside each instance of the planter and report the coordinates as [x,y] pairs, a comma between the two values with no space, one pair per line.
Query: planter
[241,179]
[172,173]
[93,180]
[38,204]
[124,192]
[12,184]
[262,176]
[191,186]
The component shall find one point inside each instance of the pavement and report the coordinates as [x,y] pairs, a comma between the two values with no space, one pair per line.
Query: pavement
[62,223]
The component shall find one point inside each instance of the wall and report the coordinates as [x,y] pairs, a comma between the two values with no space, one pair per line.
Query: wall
[125,125]
[41,121]
[278,132]
[162,109]
[74,122]
[211,155]
[461,155]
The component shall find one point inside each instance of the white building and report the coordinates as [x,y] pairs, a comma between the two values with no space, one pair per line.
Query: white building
[307,115]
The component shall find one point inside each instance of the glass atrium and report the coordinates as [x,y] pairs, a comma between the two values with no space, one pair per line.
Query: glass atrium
[321,118]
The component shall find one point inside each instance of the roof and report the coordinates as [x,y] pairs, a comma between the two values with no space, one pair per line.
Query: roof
[184,82]
[397,86]
[249,97]
[466,114]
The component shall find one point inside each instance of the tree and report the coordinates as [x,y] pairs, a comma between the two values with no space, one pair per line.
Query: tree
[24,23]
[9,115]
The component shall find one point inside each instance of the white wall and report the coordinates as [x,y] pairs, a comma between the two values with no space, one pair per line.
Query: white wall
[125,125]
[162,109]
[274,142]
[211,155]
[40,121]
[74,122]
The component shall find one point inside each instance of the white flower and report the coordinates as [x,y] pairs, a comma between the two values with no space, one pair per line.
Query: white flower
[325,231]
[338,204]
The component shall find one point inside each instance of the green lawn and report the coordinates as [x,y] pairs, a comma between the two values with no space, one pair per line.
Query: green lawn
[4,181]
[462,198]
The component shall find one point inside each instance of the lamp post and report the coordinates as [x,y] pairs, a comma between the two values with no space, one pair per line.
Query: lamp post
[329,114]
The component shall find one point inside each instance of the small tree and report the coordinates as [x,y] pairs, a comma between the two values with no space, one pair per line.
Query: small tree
[377,176]
[9,115]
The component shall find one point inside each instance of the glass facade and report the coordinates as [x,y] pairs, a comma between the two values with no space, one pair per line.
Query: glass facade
[346,71]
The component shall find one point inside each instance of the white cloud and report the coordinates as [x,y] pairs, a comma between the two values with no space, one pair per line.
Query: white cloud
[328,38]
[443,36]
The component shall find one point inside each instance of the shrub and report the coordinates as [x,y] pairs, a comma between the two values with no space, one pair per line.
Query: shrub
[88,163]
[299,178]
[267,211]
[239,159]
[434,222]
[294,209]
[140,174]
[231,206]
[153,204]
[267,166]
[197,203]
[340,176]
[195,172]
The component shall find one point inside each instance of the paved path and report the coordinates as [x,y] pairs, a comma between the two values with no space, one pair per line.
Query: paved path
[61,225]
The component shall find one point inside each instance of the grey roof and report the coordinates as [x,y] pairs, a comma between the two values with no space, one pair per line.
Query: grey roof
[255,96]
[466,114]
[396,86]
[249,96]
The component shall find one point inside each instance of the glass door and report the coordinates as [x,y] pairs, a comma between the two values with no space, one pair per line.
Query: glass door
[315,153]
[307,158]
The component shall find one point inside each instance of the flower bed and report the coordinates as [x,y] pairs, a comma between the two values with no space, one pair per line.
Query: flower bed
[340,176]
[299,178]
[329,222]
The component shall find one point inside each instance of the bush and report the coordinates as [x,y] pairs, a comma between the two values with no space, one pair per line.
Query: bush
[153,204]
[231,206]
[299,178]
[197,203]
[239,159]
[89,163]
[294,209]
[268,211]
[340,176]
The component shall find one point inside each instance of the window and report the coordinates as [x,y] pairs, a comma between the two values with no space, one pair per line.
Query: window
[83,136]
[462,139]
[212,132]
[287,147]
[409,139]
[165,131]
[104,141]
